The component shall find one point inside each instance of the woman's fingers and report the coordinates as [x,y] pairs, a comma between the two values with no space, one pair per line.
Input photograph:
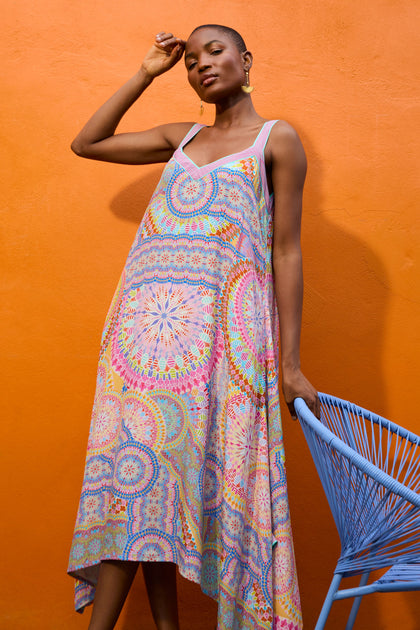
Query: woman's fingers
[296,385]
[292,411]
[317,407]
[313,404]
[166,51]
[177,52]
[311,401]
[168,40]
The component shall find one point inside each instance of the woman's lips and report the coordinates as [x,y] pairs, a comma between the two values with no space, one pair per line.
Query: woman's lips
[209,80]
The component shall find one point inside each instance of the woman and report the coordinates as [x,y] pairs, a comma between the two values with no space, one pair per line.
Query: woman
[185,460]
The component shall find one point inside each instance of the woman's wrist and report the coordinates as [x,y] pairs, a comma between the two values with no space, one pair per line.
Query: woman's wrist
[290,366]
[144,78]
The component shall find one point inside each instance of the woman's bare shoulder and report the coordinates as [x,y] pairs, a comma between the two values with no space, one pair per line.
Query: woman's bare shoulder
[283,131]
[175,132]
[284,143]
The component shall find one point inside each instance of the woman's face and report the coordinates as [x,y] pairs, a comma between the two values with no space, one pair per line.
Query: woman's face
[216,68]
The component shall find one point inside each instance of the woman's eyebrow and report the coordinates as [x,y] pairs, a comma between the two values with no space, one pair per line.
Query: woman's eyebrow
[213,41]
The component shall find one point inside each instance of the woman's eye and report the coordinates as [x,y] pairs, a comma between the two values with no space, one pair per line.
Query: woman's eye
[191,66]
[216,51]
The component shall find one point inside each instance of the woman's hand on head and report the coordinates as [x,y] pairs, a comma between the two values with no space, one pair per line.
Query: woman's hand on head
[166,51]
[296,385]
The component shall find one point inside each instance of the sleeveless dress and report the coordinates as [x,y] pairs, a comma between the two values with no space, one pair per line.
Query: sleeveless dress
[185,459]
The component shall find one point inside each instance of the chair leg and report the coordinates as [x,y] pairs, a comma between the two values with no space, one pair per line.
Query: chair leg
[325,611]
[356,603]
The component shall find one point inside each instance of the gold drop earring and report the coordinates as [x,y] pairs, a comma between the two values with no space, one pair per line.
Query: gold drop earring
[247,88]
[201,108]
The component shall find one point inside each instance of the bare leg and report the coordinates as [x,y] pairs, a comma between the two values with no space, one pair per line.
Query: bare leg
[115,579]
[160,578]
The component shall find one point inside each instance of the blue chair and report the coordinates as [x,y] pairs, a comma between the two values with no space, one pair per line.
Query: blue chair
[370,470]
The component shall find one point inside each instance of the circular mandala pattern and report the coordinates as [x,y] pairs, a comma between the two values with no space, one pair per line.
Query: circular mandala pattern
[281,511]
[152,545]
[212,489]
[165,336]
[231,568]
[77,552]
[251,549]
[136,470]
[210,571]
[283,566]
[112,316]
[157,508]
[98,472]
[244,327]
[105,415]
[188,197]
[259,499]
[279,481]
[105,422]
[143,420]
[173,409]
[91,508]
[240,449]
[95,547]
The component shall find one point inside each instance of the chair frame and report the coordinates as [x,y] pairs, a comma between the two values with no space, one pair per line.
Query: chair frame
[378,465]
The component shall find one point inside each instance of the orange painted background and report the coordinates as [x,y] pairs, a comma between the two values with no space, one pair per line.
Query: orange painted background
[343,73]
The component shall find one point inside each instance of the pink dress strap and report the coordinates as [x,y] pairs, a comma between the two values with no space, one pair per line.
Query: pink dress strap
[262,138]
[192,132]
[259,147]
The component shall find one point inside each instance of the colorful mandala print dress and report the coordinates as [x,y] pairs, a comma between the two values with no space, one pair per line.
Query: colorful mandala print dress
[185,458]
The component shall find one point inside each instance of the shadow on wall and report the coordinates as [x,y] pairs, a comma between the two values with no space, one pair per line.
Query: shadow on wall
[346,301]
[342,340]
[346,289]
[131,202]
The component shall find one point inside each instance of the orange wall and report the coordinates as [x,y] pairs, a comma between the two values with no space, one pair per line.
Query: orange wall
[343,74]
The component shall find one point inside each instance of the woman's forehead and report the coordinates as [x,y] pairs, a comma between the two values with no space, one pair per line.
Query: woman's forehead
[205,36]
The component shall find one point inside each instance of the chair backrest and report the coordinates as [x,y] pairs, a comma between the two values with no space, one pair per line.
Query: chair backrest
[370,471]
[391,448]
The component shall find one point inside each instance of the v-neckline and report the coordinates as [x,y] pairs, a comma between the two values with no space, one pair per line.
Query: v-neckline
[193,168]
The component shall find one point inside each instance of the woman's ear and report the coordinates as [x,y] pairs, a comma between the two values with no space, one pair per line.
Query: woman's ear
[247,59]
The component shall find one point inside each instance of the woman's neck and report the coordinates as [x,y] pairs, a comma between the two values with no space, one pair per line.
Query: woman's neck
[235,111]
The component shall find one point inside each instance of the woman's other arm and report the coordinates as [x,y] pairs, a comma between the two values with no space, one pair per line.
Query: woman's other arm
[98,141]
[288,170]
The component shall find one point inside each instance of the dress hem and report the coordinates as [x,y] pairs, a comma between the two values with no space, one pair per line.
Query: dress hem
[79,574]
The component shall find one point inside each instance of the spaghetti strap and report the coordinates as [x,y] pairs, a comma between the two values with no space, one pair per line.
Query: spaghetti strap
[259,147]
[190,135]
[263,136]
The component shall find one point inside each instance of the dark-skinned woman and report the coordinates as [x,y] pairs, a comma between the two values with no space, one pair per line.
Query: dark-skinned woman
[185,462]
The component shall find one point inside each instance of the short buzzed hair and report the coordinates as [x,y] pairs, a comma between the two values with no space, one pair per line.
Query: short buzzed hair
[230,32]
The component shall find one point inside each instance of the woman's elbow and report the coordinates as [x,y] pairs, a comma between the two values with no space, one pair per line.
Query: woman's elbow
[80,148]
[291,251]
[77,148]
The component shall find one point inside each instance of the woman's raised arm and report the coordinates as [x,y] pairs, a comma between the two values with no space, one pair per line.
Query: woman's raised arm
[98,141]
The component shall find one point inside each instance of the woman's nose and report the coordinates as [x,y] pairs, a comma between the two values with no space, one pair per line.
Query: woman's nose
[203,63]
